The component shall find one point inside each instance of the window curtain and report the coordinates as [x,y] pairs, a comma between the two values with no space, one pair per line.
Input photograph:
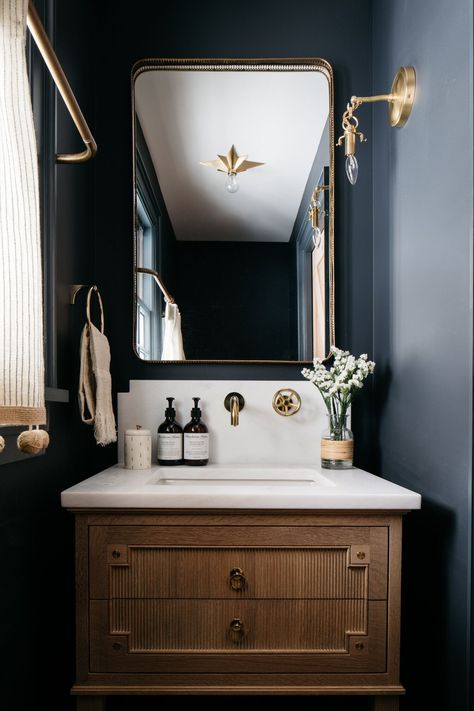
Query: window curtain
[21,308]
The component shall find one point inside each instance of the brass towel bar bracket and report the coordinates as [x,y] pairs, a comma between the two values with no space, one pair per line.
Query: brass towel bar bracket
[47,52]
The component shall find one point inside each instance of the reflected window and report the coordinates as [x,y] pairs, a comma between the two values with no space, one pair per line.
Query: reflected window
[149,301]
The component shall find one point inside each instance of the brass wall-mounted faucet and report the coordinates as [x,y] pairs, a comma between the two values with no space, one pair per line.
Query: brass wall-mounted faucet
[234,403]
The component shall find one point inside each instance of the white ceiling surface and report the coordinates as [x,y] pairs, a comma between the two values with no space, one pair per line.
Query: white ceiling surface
[191,116]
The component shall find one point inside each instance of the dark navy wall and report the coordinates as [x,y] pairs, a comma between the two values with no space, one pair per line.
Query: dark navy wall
[234,299]
[423,331]
[36,535]
[417,309]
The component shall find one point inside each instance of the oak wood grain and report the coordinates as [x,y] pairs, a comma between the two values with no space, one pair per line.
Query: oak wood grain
[250,533]
[269,573]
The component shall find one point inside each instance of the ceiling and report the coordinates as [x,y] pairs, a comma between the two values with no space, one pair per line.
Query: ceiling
[273,117]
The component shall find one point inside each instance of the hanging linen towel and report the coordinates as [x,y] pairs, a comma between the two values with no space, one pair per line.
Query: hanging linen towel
[95,382]
[173,338]
[21,307]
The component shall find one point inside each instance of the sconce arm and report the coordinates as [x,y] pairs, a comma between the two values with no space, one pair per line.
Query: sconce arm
[357,101]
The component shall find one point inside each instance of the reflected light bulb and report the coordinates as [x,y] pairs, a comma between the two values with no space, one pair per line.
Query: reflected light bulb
[352,169]
[231,183]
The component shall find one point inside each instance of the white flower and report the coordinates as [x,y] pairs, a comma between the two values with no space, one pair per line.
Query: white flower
[339,382]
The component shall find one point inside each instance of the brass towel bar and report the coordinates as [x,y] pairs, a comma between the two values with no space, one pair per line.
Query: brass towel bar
[47,52]
[159,281]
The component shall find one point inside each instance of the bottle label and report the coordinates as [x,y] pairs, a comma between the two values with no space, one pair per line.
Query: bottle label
[196,445]
[170,446]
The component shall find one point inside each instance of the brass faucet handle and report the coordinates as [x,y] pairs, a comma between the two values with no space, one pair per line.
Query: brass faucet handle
[286,402]
[234,403]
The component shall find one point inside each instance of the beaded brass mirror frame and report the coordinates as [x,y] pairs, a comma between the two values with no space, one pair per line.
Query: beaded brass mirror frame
[239,65]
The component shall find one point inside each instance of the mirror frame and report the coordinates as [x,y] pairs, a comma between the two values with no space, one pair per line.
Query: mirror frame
[238,65]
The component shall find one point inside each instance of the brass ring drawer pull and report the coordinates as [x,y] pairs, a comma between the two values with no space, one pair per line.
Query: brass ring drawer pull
[237,579]
[237,628]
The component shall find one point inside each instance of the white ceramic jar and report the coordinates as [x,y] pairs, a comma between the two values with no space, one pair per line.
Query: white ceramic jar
[137,448]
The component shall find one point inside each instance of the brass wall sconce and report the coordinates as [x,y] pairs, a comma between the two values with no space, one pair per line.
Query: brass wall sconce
[400,103]
[316,211]
[231,164]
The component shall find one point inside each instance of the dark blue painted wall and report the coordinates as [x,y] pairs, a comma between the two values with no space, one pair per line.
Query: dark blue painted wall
[423,330]
[417,309]
[36,535]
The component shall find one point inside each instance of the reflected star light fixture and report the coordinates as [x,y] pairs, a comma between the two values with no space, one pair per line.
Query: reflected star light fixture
[231,164]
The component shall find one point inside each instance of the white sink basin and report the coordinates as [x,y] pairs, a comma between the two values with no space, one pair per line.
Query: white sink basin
[244,486]
[239,476]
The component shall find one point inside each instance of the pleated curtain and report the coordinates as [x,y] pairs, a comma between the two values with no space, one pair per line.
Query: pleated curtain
[21,308]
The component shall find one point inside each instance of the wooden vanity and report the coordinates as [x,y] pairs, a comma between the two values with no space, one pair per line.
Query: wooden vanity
[182,601]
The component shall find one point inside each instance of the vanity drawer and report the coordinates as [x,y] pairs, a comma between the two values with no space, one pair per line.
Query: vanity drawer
[213,562]
[158,635]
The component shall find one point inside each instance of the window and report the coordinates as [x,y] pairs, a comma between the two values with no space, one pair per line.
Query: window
[149,298]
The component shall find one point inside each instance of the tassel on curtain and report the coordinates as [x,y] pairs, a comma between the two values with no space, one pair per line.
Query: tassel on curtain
[21,307]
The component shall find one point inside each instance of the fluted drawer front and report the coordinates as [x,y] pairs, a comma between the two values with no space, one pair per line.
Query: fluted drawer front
[210,625]
[246,635]
[215,573]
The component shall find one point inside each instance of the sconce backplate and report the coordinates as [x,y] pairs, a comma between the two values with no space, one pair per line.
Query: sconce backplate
[286,402]
[403,89]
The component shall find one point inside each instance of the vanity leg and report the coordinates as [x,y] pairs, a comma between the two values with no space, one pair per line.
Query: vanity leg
[90,703]
[385,703]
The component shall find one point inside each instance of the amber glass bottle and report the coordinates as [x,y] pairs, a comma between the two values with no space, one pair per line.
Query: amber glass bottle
[170,438]
[196,439]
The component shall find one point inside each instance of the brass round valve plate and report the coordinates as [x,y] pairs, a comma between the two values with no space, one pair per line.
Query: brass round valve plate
[403,87]
[286,402]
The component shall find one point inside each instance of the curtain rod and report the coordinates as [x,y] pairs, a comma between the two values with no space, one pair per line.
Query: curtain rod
[47,52]
[157,277]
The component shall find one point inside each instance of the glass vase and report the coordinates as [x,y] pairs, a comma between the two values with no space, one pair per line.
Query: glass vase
[337,444]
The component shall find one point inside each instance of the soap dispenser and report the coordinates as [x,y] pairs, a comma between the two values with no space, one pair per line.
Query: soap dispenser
[196,439]
[170,438]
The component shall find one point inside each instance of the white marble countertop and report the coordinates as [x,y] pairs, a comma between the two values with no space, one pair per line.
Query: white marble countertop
[238,487]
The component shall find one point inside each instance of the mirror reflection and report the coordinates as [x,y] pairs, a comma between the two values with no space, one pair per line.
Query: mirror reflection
[233,195]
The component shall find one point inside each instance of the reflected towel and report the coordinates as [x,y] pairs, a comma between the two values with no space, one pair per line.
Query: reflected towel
[173,339]
[95,385]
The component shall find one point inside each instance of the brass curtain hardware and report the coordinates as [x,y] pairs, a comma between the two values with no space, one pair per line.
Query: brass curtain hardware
[144,270]
[47,52]
[237,579]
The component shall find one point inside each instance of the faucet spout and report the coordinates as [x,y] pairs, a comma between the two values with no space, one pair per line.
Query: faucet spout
[234,403]
[234,411]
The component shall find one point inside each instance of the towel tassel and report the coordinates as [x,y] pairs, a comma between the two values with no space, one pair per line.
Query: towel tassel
[32,441]
[2,444]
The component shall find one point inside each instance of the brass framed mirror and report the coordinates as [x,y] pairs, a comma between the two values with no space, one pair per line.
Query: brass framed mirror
[233,210]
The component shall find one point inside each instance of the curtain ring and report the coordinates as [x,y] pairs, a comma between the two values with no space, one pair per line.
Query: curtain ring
[88,307]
